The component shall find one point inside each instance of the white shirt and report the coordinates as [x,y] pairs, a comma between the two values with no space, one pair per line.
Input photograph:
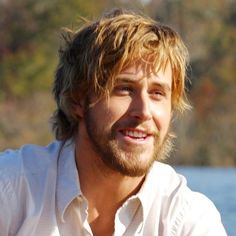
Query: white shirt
[40,195]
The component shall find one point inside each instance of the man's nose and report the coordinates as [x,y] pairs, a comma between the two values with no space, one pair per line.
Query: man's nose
[141,107]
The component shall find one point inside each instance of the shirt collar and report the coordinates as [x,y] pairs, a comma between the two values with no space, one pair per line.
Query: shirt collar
[68,186]
[142,202]
[159,183]
[148,192]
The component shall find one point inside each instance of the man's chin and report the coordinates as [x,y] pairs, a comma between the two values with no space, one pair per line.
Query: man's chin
[137,172]
[133,168]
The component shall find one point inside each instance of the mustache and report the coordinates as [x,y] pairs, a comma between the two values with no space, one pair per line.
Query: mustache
[135,124]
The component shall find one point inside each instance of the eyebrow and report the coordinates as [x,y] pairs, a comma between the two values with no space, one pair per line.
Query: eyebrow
[123,79]
[163,85]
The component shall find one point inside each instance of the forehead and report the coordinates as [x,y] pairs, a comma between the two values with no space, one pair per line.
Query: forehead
[140,71]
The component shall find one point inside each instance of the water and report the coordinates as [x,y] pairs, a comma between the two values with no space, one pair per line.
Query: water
[219,184]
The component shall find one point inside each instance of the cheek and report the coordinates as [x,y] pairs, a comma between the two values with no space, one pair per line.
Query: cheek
[108,115]
[162,117]
[117,109]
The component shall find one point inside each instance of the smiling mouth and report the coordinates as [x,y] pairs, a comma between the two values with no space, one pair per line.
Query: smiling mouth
[135,134]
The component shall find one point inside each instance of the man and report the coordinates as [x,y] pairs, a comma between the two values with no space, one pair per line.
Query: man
[118,84]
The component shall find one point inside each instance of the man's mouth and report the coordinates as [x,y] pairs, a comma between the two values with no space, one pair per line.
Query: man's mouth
[135,134]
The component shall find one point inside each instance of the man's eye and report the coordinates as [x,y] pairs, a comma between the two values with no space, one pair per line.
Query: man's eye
[157,94]
[123,89]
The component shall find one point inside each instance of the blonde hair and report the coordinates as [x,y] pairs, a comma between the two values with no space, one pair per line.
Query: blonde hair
[94,55]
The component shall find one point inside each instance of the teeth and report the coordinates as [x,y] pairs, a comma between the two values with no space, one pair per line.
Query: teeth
[135,134]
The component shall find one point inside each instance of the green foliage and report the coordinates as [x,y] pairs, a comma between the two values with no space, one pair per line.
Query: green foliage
[25,61]
[25,72]
[29,42]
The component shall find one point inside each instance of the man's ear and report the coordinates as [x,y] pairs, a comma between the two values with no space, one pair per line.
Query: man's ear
[79,108]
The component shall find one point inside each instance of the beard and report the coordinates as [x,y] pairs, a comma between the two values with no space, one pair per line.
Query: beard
[127,162]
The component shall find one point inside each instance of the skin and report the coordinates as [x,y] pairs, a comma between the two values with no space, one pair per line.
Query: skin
[129,128]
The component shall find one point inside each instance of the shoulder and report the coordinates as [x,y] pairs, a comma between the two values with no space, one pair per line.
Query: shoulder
[22,176]
[200,214]
[23,167]
[186,211]
[28,158]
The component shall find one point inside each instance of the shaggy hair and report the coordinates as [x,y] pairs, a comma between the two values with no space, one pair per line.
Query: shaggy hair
[93,56]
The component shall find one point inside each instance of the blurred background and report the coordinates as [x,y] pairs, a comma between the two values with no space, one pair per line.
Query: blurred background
[29,43]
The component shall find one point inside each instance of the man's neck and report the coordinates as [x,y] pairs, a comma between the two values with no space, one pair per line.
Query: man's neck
[100,184]
[105,190]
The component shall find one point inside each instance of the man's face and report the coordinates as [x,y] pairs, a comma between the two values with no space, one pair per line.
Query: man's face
[128,131]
